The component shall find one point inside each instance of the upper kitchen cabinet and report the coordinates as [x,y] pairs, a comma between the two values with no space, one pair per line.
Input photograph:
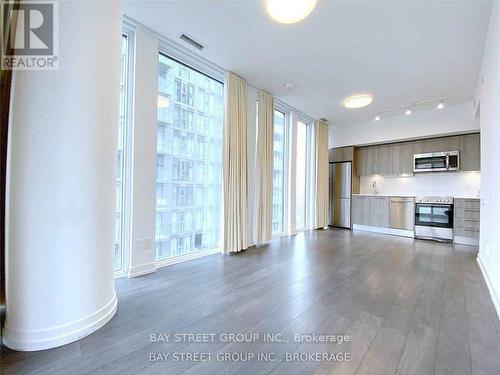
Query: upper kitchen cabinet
[339,154]
[470,152]
[402,158]
[436,145]
[364,161]
[382,160]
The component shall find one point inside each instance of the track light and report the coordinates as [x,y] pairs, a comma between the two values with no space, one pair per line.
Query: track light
[440,105]
[377,118]
[408,112]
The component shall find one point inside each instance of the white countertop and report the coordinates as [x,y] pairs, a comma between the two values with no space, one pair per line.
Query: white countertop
[384,195]
[402,195]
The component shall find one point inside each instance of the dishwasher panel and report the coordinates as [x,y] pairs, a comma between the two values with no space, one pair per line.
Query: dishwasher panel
[402,213]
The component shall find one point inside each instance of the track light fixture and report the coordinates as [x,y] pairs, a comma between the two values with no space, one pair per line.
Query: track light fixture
[409,107]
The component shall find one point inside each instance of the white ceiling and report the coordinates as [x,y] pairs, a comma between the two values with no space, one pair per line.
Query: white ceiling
[400,51]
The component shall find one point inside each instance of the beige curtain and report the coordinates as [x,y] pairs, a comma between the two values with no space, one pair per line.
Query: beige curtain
[265,134]
[235,164]
[321,149]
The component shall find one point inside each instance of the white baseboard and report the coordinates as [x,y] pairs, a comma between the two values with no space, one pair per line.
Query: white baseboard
[142,269]
[390,231]
[186,257]
[60,335]
[466,241]
[491,290]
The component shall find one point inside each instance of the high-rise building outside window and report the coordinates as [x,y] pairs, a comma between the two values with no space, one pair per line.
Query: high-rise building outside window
[189,160]
[278,173]
[121,159]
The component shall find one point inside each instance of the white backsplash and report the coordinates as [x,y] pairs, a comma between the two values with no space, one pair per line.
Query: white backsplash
[460,185]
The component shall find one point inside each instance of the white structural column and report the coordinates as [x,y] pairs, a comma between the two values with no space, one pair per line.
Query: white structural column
[61,192]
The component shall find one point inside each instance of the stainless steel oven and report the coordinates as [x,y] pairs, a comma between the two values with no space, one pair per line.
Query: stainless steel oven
[434,218]
[436,162]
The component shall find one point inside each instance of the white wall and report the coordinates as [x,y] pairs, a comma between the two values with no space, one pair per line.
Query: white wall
[489,102]
[457,185]
[142,254]
[451,119]
[61,184]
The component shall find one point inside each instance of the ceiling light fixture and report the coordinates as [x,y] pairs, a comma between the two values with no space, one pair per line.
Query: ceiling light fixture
[289,11]
[357,101]
[424,104]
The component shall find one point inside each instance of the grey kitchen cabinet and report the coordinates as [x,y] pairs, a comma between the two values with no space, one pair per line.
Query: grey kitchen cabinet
[382,160]
[360,210]
[397,158]
[379,212]
[402,157]
[339,154]
[437,145]
[466,221]
[364,160]
[470,152]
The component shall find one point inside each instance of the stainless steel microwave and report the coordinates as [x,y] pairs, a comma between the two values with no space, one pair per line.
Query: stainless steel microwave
[436,162]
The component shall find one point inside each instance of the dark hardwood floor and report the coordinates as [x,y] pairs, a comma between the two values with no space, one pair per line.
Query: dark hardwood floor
[409,307]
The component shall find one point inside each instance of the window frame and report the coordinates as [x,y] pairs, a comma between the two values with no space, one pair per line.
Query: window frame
[126,197]
[286,166]
[211,71]
[307,176]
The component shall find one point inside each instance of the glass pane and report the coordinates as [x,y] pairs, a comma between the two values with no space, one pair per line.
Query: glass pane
[437,215]
[431,162]
[300,177]
[278,172]
[189,157]
[120,165]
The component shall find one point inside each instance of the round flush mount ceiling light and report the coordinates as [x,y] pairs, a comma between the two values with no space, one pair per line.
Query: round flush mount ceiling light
[289,11]
[357,101]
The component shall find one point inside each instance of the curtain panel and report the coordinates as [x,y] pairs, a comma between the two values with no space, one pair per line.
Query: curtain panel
[235,164]
[321,149]
[265,161]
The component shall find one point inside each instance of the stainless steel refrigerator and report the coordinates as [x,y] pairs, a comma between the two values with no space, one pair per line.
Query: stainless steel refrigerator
[340,195]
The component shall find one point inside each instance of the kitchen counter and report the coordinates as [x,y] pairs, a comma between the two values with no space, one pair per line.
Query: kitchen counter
[402,195]
[384,195]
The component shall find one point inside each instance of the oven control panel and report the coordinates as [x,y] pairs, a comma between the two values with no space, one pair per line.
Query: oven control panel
[436,200]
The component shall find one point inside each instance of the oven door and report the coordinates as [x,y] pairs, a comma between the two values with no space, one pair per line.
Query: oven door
[434,215]
[430,163]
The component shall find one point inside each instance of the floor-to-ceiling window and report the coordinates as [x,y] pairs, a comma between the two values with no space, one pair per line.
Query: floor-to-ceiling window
[189,157]
[279,173]
[120,165]
[301,176]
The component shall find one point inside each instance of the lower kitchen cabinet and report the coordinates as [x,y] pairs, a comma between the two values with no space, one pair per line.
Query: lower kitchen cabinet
[360,210]
[370,211]
[379,212]
[466,221]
